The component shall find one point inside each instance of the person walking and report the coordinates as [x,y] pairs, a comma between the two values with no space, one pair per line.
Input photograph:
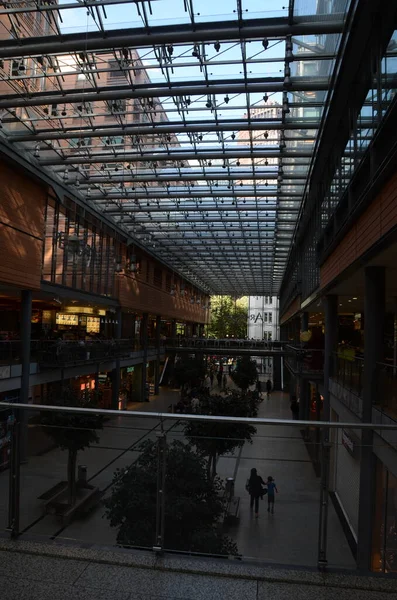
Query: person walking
[219,378]
[207,384]
[224,381]
[271,488]
[294,408]
[255,489]
[259,387]
[268,387]
[212,377]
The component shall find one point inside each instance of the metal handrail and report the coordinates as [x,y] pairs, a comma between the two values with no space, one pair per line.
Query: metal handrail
[184,417]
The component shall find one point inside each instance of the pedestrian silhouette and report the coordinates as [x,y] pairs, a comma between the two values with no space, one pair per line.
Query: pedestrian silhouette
[271,488]
[254,486]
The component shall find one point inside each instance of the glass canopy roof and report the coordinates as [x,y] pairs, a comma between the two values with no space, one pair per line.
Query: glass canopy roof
[191,124]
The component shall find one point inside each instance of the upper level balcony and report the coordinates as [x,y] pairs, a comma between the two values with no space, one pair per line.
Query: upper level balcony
[347,383]
[305,362]
[62,354]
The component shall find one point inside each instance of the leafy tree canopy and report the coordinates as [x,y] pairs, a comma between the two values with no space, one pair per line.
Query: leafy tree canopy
[245,373]
[71,431]
[188,370]
[228,317]
[213,439]
[194,504]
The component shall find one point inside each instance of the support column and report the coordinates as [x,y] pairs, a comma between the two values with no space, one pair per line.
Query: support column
[173,328]
[303,399]
[304,321]
[26,328]
[330,346]
[157,363]
[116,371]
[374,310]
[144,342]
[277,372]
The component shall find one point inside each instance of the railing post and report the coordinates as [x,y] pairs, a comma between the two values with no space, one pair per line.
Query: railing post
[116,371]
[14,478]
[26,327]
[160,497]
[157,362]
[324,497]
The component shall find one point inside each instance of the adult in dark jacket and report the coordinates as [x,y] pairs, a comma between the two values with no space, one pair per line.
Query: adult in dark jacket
[255,489]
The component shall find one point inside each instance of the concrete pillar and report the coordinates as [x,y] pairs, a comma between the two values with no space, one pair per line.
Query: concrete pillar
[157,363]
[303,399]
[304,321]
[144,342]
[115,376]
[173,328]
[330,346]
[26,328]
[374,310]
[277,372]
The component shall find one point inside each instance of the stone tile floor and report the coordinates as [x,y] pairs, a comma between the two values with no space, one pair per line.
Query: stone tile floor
[40,571]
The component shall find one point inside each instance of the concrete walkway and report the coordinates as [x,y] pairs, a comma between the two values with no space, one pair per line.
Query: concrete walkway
[290,536]
[50,570]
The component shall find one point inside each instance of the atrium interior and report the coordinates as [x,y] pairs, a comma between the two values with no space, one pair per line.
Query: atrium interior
[155,156]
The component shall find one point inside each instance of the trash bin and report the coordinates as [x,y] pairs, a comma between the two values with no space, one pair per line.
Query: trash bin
[229,487]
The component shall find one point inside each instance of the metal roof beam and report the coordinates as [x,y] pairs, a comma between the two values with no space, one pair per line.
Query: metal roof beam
[235,175]
[129,157]
[191,88]
[197,194]
[142,37]
[159,129]
[197,209]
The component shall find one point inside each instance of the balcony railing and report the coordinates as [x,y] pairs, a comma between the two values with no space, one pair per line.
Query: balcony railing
[348,372]
[55,353]
[305,361]
[225,343]
[156,487]
[386,380]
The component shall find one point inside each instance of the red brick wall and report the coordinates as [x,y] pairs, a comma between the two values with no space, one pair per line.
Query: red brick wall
[379,218]
[22,205]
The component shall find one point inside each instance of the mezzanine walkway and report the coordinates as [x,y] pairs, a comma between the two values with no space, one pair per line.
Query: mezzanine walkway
[225,347]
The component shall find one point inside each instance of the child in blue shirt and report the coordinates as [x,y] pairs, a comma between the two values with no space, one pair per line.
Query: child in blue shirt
[271,488]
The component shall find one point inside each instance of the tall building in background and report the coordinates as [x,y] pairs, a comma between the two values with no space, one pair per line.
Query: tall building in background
[263,324]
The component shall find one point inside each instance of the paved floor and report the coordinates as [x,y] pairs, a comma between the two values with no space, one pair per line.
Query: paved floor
[287,537]
[46,571]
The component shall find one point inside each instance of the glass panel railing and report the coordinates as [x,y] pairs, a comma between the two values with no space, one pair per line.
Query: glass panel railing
[213,486]
[348,371]
[386,379]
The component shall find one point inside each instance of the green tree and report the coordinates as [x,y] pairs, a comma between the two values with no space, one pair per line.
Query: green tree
[71,431]
[189,370]
[228,317]
[213,438]
[245,373]
[194,504]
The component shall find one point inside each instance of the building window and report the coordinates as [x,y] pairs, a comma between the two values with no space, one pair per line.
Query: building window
[270,299]
[270,317]
[269,336]
[265,315]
